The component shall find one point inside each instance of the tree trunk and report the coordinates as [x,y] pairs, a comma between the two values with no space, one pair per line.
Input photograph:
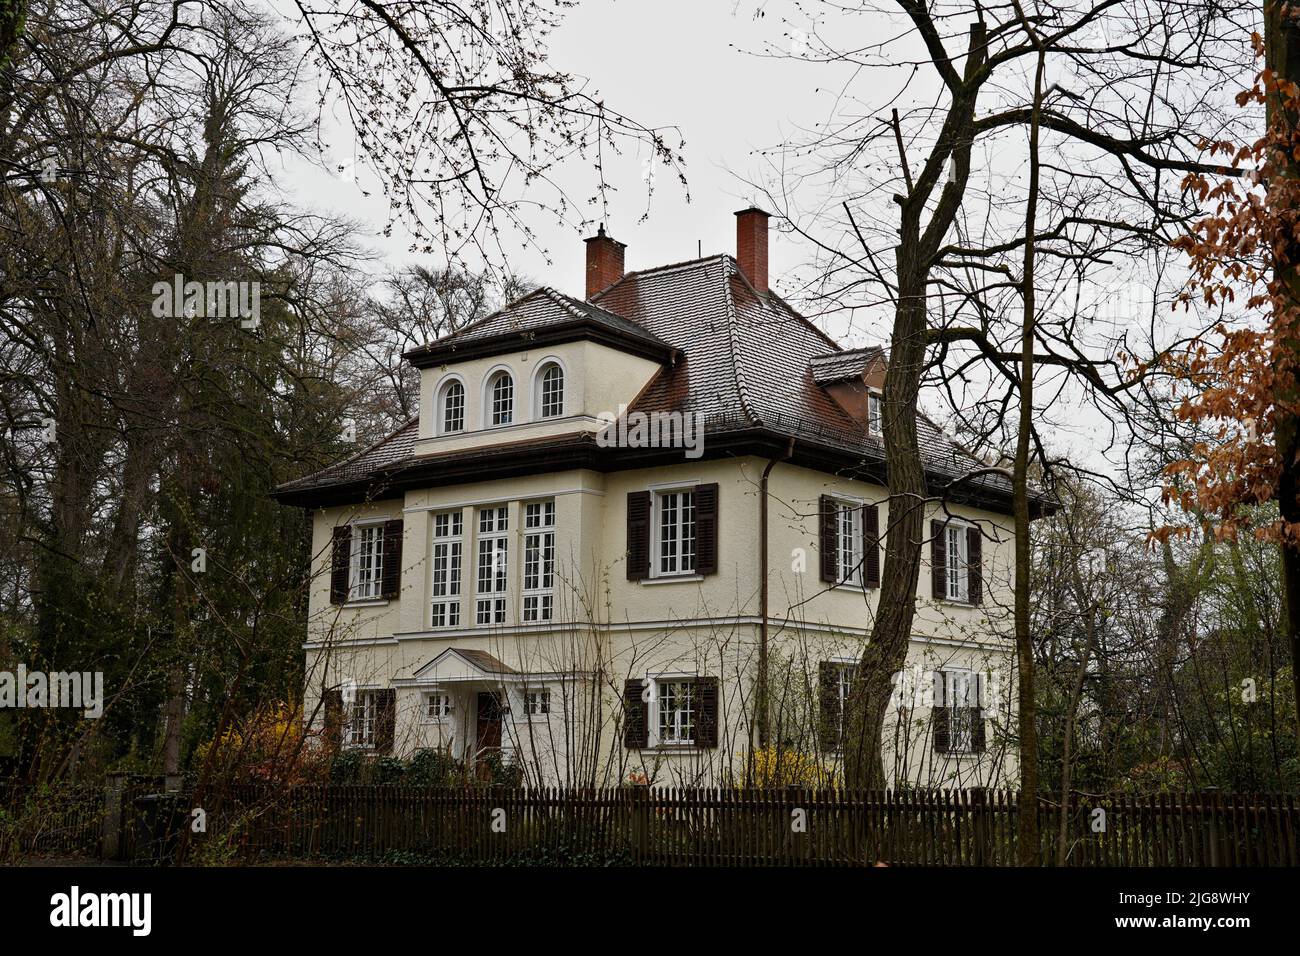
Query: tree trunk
[891,632]
[1282,57]
[1027,835]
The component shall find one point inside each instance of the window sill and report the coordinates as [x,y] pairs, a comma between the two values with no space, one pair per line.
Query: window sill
[674,748]
[367,602]
[854,587]
[673,579]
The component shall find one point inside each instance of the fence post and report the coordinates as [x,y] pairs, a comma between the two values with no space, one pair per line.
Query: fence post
[111,844]
[981,830]
[640,822]
[1210,806]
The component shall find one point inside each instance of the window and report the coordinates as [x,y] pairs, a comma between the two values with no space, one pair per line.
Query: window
[492,565]
[874,423]
[955,554]
[848,542]
[445,587]
[677,711]
[453,407]
[537,703]
[367,562]
[551,400]
[961,700]
[844,674]
[501,399]
[676,532]
[437,705]
[539,561]
[363,718]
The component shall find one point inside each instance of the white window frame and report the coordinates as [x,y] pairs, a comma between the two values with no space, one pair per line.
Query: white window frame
[372,589]
[657,496]
[360,734]
[848,562]
[656,715]
[956,576]
[444,709]
[440,406]
[875,413]
[539,389]
[537,587]
[497,541]
[537,703]
[843,687]
[489,402]
[960,696]
[452,544]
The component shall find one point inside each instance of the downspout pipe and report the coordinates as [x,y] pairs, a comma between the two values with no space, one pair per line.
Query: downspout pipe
[764,714]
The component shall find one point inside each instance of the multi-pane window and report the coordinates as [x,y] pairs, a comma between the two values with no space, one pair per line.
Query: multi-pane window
[961,699]
[363,717]
[848,542]
[453,407]
[676,532]
[445,586]
[677,711]
[367,562]
[490,607]
[437,705]
[501,398]
[539,561]
[844,674]
[955,555]
[874,424]
[552,398]
[537,703]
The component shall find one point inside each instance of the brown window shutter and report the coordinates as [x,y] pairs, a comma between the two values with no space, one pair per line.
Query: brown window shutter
[828,717]
[340,564]
[706,529]
[385,720]
[638,535]
[977,730]
[706,720]
[975,565]
[938,561]
[826,543]
[392,571]
[977,715]
[939,718]
[636,729]
[871,546]
[333,724]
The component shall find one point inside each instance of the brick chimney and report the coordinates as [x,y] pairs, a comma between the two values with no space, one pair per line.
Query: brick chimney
[604,262]
[751,246]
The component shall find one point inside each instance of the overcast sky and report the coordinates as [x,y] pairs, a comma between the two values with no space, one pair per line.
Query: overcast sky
[665,63]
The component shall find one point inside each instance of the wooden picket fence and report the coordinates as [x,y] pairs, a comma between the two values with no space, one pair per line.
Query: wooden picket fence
[790,827]
[50,821]
[652,826]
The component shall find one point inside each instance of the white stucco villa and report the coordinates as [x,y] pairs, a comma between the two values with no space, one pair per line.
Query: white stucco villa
[511,574]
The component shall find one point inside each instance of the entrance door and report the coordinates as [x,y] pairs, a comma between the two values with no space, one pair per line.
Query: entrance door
[488,737]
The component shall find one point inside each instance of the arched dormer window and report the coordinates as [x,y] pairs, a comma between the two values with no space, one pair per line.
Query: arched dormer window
[500,399]
[550,394]
[451,407]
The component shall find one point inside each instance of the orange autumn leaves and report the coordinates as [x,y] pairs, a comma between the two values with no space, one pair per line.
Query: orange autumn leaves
[1243,252]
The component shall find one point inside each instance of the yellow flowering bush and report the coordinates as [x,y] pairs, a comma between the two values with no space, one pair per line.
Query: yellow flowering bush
[774,767]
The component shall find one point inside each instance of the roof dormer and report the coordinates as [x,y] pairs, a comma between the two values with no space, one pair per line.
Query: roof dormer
[855,380]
